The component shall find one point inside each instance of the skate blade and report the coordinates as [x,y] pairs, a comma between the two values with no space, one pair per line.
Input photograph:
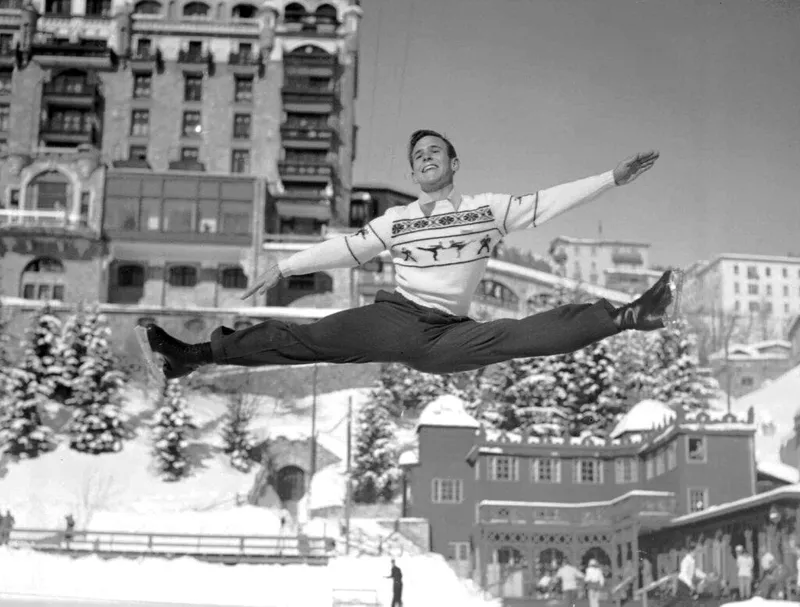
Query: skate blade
[674,312]
[151,359]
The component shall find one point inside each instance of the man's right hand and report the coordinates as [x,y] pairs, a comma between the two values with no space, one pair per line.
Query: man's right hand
[266,281]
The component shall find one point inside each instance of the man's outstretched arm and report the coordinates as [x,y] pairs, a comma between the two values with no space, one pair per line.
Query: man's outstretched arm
[341,252]
[522,212]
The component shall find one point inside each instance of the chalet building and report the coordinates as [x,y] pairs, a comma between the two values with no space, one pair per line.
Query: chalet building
[743,368]
[507,508]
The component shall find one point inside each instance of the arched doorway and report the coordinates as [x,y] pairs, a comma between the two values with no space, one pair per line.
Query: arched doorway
[43,278]
[291,483]
[509,573]
[602,557]
[547,564]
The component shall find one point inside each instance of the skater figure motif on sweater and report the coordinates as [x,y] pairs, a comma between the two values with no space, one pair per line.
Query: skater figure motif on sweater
[458,246]
[362,232]
[433,249]
[486,243]
[407,254]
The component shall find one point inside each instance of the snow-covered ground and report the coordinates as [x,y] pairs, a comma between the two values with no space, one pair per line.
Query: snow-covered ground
[428,581]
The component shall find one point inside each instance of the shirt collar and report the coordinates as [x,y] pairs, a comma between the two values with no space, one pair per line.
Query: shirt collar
[454,198]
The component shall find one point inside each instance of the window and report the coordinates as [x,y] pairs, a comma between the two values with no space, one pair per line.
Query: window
[140,123]
[736,288]
[769,289]
[137,152]
[5,117]
[786,290]
[696,449]
[503,468]
[588,471]
[747,381]
[58,7]
[752,272]
[698,499]
[546,470]
[458,551]
[144,46]
[244,11]
[785,272]
[190,154]
[752,289]
[241,126]
[672,455]
[736,269]
[236,217]
[447,491]
[660,468]
[6,80]
[626,470]
[192,87]
[130,276]
[233,278]
[753,306]
[142,84]
[182,276]
[649,467]
[180,216]
[768,272]
[98,8]
[195,9]
[240,161]
[7,40]
[147,7]
[737,305]
[192,124]
[302,282]
[243,89]
[43,278]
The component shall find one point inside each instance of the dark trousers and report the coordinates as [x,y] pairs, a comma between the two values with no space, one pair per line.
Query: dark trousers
[683,596]
[397,595]
[396,330]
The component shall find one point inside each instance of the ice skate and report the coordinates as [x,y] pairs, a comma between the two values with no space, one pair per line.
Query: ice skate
[654,309]
[167,357]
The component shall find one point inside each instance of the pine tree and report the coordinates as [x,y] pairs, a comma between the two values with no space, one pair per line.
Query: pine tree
[74,345]
[405,389]
[678,379]
[22,431]
[633,379]
[594,403]
[236,438]
[97,425]
[41,355]
[171,427]
[375,472]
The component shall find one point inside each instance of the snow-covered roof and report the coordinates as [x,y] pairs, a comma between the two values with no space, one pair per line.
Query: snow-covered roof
[598,241]
[737,505]
[779,470]
[643,417]
[634,272]
[493,435]
[408,458]
[756,351]
[447,411]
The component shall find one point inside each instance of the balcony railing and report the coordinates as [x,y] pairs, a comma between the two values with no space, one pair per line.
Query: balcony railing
[244,59]
[50,54]
[311,60]
[27,219]
[305,169]
[193,57]
[308,137]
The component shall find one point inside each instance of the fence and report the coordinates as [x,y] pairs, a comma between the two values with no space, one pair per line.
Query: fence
[355,597]
[218,548]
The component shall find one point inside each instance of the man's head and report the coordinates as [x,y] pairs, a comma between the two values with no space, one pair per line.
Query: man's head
[739,550]
[433,160]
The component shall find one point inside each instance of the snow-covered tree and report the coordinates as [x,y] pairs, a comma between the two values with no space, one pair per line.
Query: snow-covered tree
[593,402]
[633,378]
[236,438]
[172,426]
[98,424]
[22,431]
[72,352]
[41,356]
[407,389]
[375,473]
[678,379]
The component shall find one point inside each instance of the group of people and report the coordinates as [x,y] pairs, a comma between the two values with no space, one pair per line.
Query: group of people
[6,526]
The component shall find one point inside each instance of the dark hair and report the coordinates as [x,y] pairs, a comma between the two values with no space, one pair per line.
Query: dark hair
[419,134]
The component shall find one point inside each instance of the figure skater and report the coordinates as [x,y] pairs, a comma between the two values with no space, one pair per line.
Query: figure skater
[423,323]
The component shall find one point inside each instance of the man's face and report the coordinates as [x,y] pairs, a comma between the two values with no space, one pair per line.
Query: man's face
[431,168]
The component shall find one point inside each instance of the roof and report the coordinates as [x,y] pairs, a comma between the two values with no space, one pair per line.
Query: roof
[447,411]
[598,241]
[755,351]
[760,499]
[794,326]
[744,257]
[642,417]
[780,471]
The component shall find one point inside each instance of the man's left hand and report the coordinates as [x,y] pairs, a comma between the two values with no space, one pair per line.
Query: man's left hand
[630,168]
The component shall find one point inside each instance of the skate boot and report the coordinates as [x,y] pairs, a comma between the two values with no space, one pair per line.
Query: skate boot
[652,310]
[178,359]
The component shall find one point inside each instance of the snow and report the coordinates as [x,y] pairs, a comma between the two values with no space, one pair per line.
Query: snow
[779,470]
[447,411]
[643,417]
[759,602]
[768,497]
[428,580]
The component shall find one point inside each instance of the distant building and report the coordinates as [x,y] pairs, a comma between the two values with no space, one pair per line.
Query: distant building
[509,508]
[614,264]
[748,367]
[794,339]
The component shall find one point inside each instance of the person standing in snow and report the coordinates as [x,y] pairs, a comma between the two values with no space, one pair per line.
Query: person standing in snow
[69,532]
[8,527]
[595,580]
[397,585]
[2,529]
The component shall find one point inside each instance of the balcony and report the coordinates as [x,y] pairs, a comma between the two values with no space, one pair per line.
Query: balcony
[8,55]
[145,57]
[628,258]
[80,55]
[316,171]
[315,58]
[319,210]
[308,136]
[31,221]
[192,57]
[238,59]
[63,133]
[70,94]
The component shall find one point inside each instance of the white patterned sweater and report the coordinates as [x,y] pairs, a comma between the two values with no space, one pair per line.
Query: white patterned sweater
[440,248]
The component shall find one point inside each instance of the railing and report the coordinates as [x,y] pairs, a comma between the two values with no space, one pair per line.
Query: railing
[185,56]
[305,168]
[659,583]
[70,89]
[216,547]
[316,133]
[245,59]
[24,219]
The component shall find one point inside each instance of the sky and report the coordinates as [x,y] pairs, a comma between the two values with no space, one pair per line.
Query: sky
[535,93]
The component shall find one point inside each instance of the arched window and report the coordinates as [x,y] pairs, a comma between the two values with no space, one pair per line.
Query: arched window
[233,278]
[497,293]
[98,8]
[148,7]
[326,15]
[196,9]
[293,13]
[130,275]
[182,276]
[43,278]
[58,7]
[244,11]
[50,191]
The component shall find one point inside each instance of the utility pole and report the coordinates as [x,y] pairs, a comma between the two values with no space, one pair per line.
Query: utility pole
[313,467]
[348,491]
